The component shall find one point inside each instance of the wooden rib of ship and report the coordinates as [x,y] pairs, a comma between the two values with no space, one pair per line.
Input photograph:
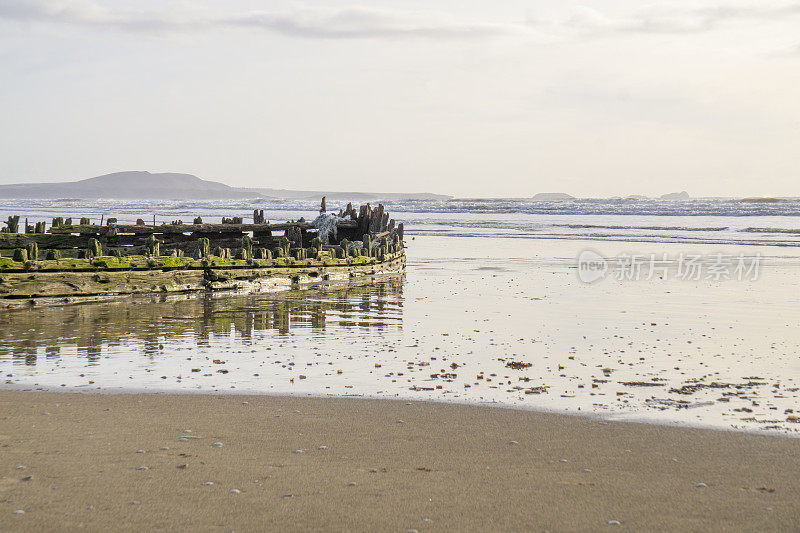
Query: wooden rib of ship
[65,260]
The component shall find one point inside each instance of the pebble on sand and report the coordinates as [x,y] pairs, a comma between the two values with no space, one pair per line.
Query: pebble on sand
[217,445]
[19,511]
[701,485]
[207,483]
[235,491]
[351,484]
[141,468]
[613,522]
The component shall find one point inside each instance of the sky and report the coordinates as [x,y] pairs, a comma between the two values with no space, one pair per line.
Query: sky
[467,98]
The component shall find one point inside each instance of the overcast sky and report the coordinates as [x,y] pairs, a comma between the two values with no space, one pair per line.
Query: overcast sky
[602,98]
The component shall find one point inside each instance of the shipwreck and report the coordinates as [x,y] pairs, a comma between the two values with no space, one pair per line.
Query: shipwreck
[65,259]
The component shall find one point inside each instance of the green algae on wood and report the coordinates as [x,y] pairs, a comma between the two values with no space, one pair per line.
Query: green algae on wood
[243,253]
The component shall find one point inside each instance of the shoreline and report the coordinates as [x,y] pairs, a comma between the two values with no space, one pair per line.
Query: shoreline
[384,465]
[595,416]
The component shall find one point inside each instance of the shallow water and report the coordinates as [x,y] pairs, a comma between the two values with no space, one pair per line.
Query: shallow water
[712,353]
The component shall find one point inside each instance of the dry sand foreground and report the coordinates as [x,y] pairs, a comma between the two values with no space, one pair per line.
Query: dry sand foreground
[385,466]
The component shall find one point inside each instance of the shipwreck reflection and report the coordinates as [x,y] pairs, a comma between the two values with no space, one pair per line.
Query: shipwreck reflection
[153,323]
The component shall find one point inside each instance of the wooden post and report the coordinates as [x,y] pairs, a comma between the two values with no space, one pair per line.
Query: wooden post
[153,247]
[95,248]
[247,247]
[367,244]
[33,251]
[294,235]
[13,224]
[203,248]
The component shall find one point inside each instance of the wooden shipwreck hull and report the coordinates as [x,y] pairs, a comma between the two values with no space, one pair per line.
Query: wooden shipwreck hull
[80,260]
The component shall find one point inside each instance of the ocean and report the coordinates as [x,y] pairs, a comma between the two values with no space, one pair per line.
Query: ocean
[492,310]
[701,221]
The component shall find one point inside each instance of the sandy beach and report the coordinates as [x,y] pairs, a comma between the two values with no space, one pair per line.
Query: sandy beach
[399,267]
[97,462]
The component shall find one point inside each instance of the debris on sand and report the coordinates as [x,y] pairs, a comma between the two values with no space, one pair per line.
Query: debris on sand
[692,387]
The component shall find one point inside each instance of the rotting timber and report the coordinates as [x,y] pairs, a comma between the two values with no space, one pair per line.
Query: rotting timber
[67,260]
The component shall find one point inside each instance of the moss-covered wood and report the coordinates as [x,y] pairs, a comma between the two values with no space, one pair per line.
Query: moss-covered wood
[109,275]
[363,239]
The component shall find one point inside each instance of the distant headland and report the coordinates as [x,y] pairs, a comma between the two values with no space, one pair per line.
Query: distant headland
[170,186]
[563,197]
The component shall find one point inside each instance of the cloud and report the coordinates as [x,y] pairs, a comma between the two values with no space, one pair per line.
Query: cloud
[340,23]
[363,22]
[672,19]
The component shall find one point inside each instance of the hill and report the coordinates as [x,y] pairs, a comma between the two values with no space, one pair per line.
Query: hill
[551,197]
[683,195]
[170,186]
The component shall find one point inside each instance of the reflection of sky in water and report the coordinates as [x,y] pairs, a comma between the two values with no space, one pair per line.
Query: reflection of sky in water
[718,354]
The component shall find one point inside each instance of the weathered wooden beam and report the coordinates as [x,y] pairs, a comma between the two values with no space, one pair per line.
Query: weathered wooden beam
[376,219]
[191,228]
[295,236]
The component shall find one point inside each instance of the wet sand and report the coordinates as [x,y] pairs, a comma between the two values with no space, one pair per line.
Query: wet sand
[102,462]
[705,353]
